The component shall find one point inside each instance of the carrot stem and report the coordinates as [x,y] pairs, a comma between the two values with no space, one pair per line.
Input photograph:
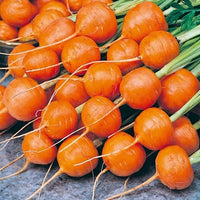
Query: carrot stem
[195,157]
[195,100]
[197,125]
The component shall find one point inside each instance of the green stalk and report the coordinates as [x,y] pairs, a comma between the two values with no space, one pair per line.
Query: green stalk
[195,157]
[195,100]
[197,125]
[196,70]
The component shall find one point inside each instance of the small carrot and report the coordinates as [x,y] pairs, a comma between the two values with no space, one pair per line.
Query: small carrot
[38,149]
[178,88]
[185,135]
[35,64]
[24,94]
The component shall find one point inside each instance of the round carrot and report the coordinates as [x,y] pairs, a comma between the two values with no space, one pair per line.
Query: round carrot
[124,49]
[6,120]
[124,162]
[103,79]
[58,119]
[140,88]
[178,88]
[85,2]
[173,169]
[57,30]
[158,48]
[55,5]
[25,33]
[42,19]
[71,90]
[75,53]
[15,62]
[185,135]
[142,19]
[17,13]
[35,64]
[153,128]
[100,116]
[24,94]
[38,149]
[7,32]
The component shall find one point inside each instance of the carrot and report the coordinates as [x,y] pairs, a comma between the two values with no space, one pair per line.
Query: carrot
[15,62]
[178,88]
[75,53]
[55,5]
[99,117]
[25,33]
[103,79]
[121,162]
[68,157]
[185,135]
[125,162]
[174,162]
[17,13]
[158,40]
[35,64]
[72,90]
[38,149]
[24,94]
[122,50]
[7,32]
[58,119]
[140,88]
[57,30]
[6,120]
[85,2]
[42,19]
[40,3]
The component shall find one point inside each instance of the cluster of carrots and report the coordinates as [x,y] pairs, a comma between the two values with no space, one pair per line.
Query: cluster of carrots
[90,60]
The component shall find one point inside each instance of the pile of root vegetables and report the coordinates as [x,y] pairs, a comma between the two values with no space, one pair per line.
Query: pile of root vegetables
[100,87]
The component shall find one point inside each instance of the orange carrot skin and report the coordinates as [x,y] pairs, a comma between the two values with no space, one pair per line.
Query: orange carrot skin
[78,152]
[158,48]
[100,26]
[25,33]
[153,128]
[95,108]
[56,31]
[103,79]
[17,60]
[17,13]
[85,2]
[42,20]
[178,88]
[22,101]
[6,120]
[55,5]
[142,20]
[140,88]
[185,135]
[35,142]
[125,162]
[7,32]
[38,59]
[124,49]
[59,118]
[78,51]
[174,168]
[72,91]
